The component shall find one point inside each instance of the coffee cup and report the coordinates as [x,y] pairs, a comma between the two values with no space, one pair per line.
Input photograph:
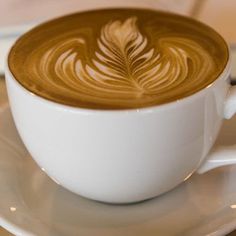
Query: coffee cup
[120,154]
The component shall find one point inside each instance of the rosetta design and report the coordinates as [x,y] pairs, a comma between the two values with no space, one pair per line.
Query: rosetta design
[126,68]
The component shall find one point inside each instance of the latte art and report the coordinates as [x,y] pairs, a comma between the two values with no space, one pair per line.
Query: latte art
[120,64]
[123,67]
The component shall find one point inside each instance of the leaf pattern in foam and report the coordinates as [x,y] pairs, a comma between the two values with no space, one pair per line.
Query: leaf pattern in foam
[122,60]
[124,67]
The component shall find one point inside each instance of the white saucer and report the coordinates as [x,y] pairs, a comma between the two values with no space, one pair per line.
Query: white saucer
[32,204]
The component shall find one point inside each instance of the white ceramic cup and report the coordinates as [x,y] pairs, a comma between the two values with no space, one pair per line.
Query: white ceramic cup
[124,156]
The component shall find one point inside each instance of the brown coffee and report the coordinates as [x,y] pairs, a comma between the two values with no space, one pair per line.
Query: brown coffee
[118,58]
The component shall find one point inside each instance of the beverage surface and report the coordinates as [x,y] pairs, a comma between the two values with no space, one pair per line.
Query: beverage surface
[118,58]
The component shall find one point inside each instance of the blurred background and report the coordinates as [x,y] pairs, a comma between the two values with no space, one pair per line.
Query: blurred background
[17,16]
[24,11]
[218,13]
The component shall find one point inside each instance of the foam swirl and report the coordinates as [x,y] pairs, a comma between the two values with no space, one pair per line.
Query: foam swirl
[124,67]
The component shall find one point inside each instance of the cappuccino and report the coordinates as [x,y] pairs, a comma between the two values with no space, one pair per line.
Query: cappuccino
[118,58]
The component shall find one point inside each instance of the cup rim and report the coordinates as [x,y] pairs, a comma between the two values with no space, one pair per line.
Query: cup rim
[150,109]
[153,108]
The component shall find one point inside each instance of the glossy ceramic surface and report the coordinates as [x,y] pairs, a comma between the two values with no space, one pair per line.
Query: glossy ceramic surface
[32,204]
[121,156]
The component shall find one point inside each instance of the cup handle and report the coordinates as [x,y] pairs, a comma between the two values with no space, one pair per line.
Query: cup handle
[220,155]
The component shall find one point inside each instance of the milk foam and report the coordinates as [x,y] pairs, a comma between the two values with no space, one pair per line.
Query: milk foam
[124,67]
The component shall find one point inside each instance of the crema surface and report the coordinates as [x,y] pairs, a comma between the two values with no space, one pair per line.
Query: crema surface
[118,58]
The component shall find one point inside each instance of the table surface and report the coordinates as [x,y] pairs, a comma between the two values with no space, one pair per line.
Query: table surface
[217,13]
[3,99]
